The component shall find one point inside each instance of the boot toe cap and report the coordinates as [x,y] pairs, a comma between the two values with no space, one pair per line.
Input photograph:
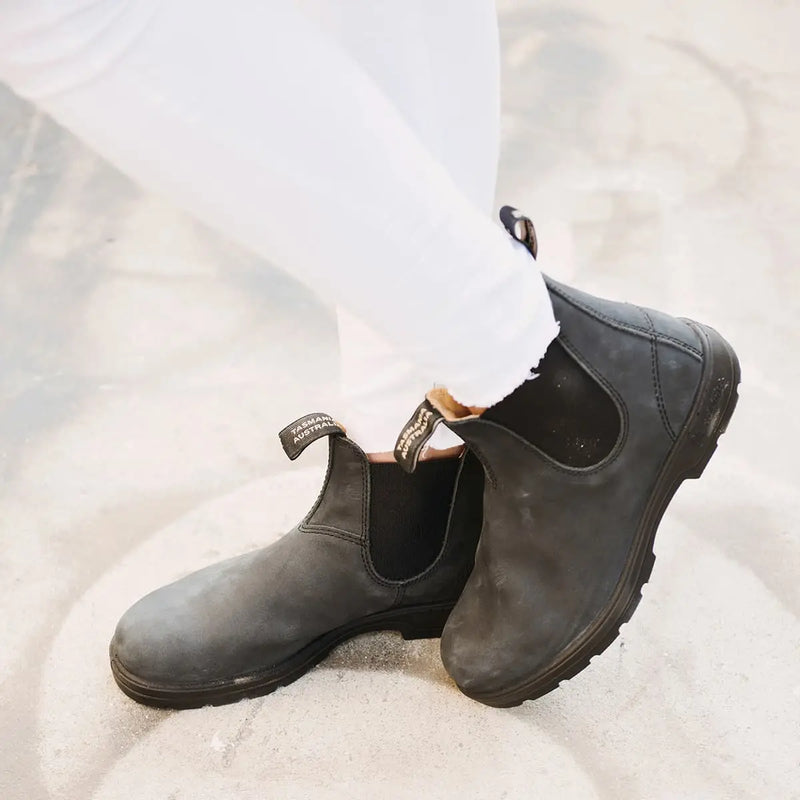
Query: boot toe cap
[156,644]
[478,667]
[195,631]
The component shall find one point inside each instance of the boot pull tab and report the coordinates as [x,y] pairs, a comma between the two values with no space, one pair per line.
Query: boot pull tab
[415,435]
[299,434]
[520,227]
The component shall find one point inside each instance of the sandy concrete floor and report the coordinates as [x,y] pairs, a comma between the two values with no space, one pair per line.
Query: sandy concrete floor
[146,366]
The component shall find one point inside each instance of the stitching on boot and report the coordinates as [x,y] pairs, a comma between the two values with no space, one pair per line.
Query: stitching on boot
[366,555]
[365,491]
[487,467]
[328,470]
[447,536]
[329,530]
[621,407]
[656,374]
[620,325]
[322,530]
[366,558]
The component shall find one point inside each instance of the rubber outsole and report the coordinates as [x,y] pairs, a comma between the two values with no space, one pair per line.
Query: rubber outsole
[417,622]
[713,407]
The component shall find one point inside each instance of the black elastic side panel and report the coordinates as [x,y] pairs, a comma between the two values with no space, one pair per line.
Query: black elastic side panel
[408,515]
[466,519]
[564,412]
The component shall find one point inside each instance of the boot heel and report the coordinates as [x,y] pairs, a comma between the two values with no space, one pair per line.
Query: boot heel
[716,405]
[423,623]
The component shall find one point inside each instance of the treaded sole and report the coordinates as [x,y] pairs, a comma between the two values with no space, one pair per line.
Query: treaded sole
[417,622]
[708,419]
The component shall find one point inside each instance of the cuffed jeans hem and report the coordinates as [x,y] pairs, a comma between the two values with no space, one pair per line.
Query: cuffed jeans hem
[500,380]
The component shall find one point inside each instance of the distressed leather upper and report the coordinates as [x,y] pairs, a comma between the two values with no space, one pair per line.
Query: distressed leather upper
[556,539]
[252,612]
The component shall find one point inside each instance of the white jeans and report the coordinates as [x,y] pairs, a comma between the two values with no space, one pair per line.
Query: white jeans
[353,143]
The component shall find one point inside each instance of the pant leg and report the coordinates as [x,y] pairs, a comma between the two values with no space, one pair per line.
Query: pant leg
[439,65]
[250,117]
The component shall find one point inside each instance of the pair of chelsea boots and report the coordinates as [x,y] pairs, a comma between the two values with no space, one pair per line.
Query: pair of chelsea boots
[525,554]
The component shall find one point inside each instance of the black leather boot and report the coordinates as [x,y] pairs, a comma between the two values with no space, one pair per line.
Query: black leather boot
[380,550]
[580,466]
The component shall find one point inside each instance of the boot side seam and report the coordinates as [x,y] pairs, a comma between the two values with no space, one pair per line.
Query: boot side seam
[447,542]
[364,543]
[366,553]
[625,326]
[325,480]
[328,530]
[486,464]
[548,460]
[353,539]
[366,558]
[656,375]
[366,491]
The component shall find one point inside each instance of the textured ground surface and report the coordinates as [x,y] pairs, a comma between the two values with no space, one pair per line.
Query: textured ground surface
[147,364]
